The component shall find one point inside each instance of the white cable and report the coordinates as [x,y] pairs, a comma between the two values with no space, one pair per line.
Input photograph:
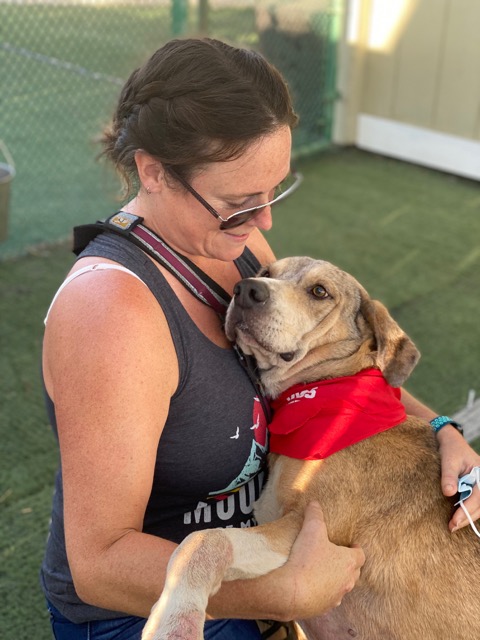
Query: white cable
[472,524]
[466,484]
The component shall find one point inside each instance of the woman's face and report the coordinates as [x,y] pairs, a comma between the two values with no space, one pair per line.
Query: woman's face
[231,186]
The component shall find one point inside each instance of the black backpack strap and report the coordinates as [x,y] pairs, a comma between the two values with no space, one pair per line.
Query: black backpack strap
[121,223]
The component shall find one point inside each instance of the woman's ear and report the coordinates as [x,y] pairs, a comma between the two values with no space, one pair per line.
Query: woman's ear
[396,354]
[150,171]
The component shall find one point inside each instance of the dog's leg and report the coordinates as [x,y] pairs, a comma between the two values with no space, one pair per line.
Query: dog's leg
[203,560]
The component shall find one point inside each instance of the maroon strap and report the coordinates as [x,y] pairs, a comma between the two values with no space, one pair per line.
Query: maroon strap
[180,268]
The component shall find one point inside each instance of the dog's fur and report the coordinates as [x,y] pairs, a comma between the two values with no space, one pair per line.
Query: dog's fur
[419,580]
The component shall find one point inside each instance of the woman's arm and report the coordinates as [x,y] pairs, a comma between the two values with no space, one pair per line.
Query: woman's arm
[298,589]
[111,369]
[458,458]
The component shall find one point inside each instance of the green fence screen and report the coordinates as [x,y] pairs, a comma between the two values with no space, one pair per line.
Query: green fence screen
[63,62]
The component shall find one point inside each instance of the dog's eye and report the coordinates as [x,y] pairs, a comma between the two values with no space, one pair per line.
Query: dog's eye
[264,273]
[319,292]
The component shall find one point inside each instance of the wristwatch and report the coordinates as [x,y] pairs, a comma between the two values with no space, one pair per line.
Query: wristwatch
[440,421]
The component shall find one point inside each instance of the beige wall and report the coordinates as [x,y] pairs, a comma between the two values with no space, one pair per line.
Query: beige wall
[411,62]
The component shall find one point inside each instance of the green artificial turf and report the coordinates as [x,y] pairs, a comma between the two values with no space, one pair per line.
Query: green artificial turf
[28,452]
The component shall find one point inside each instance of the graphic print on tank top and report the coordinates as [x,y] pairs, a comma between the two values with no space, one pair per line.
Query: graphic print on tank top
[242,492]
[257,452]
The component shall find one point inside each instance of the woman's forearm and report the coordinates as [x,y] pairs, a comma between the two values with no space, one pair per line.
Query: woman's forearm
[416,408]
[128,576]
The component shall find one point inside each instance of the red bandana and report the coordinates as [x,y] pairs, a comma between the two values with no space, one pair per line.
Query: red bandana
[312,421]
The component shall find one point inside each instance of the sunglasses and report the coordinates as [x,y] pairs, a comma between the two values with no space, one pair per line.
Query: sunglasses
[284,189]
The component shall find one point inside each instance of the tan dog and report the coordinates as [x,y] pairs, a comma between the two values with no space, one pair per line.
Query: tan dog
[305,320]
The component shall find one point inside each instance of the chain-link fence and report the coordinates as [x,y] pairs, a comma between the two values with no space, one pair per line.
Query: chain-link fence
[62,63]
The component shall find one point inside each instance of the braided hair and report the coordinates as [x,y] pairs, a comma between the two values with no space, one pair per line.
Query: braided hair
[196,101]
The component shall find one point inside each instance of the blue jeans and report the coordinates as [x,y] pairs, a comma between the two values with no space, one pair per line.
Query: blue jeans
[130,628]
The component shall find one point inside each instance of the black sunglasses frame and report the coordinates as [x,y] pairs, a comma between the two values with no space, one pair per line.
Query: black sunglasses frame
[240,217]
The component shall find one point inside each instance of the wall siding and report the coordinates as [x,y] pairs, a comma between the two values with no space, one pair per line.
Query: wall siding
[421,82]
[458,100]
[431,75]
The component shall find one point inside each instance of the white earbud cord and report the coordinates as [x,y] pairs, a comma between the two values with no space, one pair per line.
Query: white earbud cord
[466,484]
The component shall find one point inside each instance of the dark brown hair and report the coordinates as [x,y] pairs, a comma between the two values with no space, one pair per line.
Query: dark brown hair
[193,102]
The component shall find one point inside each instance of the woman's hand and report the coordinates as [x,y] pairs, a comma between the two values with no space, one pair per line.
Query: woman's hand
[313,580]
[321,572]
[458,458]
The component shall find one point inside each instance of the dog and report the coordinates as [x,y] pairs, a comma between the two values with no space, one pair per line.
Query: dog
[309,325]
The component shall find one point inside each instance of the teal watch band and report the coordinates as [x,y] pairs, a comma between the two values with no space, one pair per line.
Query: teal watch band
[440,421]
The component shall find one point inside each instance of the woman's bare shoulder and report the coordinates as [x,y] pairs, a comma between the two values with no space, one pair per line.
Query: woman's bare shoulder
[102,315]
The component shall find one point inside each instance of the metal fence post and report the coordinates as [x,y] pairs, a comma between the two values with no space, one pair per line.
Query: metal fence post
[179,17]
[203,14]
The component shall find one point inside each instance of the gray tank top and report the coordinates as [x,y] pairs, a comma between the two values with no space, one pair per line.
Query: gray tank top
[211,458]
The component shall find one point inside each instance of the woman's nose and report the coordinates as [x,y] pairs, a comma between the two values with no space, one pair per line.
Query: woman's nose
[263,218]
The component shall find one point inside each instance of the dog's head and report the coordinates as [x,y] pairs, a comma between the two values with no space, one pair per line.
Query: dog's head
[306,320]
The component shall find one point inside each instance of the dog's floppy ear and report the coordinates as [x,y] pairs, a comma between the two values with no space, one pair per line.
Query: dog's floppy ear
[396,353]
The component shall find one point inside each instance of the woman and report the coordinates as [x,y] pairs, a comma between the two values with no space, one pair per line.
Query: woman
[161,431]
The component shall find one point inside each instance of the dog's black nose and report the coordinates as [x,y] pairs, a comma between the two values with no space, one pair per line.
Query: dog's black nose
[249,293]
